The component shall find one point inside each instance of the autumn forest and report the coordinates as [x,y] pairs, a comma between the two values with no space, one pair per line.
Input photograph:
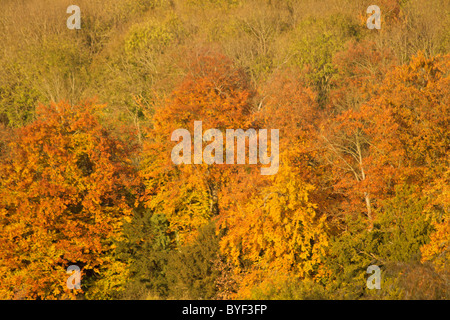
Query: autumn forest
[87,176]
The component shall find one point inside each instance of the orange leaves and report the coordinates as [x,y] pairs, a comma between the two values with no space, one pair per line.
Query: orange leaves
[271,224]
[417,96]
[214,91]
[65,192]
[384,133]
[217,93]
[360,68]
[437,250]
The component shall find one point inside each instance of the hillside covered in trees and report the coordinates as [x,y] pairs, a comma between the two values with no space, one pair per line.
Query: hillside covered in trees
[87,178]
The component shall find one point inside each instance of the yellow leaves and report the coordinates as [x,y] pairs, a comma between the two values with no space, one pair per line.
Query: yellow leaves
[437,250]
[278,227]
[127,219]
[112,280]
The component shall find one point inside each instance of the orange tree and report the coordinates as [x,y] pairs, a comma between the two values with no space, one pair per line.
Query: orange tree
[274,232]
[217,93]
[343,134]
[418,98]
[391,155]
[65,189]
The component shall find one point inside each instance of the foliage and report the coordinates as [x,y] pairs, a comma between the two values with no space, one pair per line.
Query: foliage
[276,231]
[218,93]
[400,230]
[145,249]
[66,188]
[191,270]
[153,35]
[363,178]
[317,40]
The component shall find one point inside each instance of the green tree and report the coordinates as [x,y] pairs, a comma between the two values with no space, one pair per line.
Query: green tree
[145,249]
[191,269]
[393,244]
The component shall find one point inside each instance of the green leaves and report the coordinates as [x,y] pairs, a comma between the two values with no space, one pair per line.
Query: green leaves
[154,35]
